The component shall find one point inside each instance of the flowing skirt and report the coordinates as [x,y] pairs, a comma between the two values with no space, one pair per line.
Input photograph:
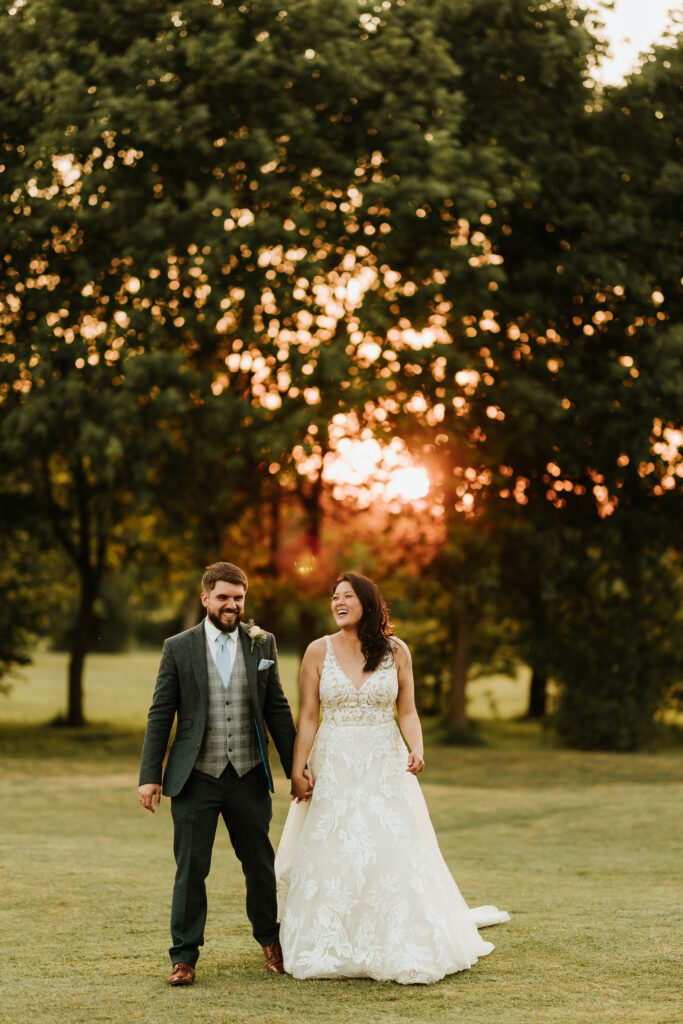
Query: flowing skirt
[363,890]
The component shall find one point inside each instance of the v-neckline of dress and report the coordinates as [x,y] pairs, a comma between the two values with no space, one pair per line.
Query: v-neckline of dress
[356,689]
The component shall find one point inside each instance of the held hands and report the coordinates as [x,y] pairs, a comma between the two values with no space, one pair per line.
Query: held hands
[302,786]
[416,763]
[149,794]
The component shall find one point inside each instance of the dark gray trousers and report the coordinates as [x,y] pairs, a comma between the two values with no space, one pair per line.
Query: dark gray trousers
[245,806]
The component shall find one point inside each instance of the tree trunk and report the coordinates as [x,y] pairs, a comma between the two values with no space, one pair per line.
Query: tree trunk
[311,503]
[538,695]
[461,626]
[272,607]
[305,632]
[193,612]
[79,648]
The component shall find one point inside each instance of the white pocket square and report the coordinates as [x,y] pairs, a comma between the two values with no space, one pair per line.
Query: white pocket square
[264,663]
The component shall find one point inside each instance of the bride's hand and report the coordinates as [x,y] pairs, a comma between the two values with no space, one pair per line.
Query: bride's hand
[302,786]
[416,763]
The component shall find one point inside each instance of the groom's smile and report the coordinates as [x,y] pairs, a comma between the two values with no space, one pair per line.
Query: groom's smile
[225,605]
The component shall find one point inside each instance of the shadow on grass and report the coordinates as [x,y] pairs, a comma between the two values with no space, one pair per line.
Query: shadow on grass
[518,733]
[533,734]
[495,753]
[52,740]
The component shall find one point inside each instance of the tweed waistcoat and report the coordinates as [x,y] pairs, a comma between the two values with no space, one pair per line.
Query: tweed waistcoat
[230,734]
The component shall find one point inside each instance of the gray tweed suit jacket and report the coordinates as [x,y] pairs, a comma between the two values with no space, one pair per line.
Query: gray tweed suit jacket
[182,689]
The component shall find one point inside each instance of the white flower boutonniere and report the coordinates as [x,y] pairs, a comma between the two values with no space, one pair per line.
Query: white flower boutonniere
[256,635]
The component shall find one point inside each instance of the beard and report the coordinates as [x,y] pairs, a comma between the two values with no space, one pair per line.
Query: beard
[219,624]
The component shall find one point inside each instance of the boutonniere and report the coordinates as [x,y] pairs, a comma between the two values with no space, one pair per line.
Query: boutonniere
[256,635]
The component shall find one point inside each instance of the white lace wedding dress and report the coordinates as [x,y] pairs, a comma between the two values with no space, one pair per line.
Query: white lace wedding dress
[363,890]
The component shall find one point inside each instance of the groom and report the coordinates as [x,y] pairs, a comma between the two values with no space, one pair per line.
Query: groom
[222,681]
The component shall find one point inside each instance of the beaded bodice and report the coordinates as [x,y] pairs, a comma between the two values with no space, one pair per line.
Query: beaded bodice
[371,704]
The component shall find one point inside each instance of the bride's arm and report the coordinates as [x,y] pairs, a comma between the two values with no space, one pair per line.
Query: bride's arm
[309,714]
[408,717]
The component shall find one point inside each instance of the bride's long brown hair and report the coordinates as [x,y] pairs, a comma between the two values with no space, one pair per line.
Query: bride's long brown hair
[374,628]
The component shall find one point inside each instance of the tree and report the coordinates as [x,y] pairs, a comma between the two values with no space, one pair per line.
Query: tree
[525,394]
[463,389]
[592,576]
[181,259]
[21,585]
[206,263]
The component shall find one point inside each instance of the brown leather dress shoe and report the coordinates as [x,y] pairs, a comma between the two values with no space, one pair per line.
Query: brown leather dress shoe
[274,962]
[182,974]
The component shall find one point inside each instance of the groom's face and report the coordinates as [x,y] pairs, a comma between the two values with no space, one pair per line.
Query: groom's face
[225,605]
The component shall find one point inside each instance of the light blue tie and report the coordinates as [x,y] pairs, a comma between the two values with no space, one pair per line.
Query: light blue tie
[224,659]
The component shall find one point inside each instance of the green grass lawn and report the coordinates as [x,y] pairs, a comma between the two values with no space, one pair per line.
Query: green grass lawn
[583,850]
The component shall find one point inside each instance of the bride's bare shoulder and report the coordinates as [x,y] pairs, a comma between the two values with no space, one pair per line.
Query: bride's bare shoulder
[316,650]
[400,650]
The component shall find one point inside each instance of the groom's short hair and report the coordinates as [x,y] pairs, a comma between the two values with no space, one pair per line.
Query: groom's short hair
[225,571]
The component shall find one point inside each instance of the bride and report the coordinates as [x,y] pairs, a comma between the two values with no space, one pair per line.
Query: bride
[363,890]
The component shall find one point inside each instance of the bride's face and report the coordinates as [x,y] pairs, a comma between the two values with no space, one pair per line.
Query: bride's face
[346,606]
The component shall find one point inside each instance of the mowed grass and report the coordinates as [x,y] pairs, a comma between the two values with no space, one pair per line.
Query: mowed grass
[583,850]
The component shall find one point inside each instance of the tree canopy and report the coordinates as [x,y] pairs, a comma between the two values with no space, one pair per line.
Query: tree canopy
[235,233]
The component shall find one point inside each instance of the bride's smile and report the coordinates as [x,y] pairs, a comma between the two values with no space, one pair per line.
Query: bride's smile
[346,607]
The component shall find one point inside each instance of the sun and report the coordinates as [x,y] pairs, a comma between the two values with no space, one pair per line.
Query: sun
[368,471]
[408,483]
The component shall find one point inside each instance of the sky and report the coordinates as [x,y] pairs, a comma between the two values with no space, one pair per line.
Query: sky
[632,27]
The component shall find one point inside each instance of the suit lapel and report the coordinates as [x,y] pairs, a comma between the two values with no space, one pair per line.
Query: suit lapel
[198,658]
[250,664]
[251,660]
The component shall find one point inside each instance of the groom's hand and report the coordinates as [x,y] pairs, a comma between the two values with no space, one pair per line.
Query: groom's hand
[149,794]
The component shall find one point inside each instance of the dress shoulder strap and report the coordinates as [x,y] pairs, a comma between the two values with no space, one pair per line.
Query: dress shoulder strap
[328,644]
